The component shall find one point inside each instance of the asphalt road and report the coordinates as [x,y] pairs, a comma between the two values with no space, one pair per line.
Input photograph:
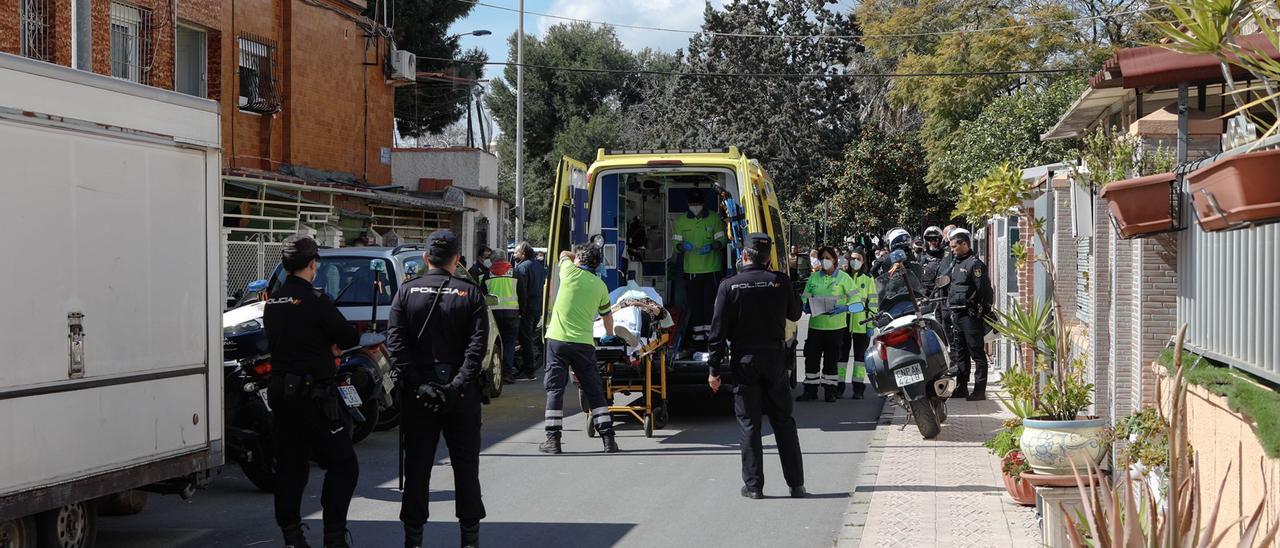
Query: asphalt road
[679,488]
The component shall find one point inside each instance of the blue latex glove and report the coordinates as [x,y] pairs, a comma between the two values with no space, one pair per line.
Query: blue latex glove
[806,308]
[610,340]
[705,249]
[686,246]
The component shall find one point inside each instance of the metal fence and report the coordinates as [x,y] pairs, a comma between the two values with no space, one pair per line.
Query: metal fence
[249,261]
[33,29]
[1229,298]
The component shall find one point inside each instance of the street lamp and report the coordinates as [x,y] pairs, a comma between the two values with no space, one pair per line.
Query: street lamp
[472,33]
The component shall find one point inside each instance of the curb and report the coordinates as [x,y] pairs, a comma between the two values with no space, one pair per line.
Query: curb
[855,514]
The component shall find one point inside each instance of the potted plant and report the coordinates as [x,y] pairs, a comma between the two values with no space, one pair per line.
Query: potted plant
[1138,205]
[1004,444]
[1238,190]
[1144,452]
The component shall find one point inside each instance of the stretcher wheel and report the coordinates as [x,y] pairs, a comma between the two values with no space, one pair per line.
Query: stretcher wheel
[648,426]
[663,416]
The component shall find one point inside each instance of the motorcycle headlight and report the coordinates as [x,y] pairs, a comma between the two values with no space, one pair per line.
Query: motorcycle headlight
[242,328]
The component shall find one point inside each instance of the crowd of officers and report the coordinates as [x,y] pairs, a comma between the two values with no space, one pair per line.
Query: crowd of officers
[439,328]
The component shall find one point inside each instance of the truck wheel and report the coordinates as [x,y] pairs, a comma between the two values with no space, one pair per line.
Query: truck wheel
[18,533]
[363,381]
[127,503]
[926,419]
[71,526]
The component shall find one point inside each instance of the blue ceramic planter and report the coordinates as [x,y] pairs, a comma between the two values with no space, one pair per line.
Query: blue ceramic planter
[1052,446]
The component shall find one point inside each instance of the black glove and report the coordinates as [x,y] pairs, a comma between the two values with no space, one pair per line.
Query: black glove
[431,397]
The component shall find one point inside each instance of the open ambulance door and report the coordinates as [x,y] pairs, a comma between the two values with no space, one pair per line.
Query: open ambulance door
[569,201]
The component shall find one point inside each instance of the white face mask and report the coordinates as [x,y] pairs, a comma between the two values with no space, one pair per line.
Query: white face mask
[695,209]
[827,264]
[857,264]
[488,263]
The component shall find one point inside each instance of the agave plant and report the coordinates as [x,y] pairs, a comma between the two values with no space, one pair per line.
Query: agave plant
[1125,517]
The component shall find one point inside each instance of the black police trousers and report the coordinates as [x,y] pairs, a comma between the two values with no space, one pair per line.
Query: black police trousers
[529,340]
[461,429]
[763,389]
[302,432]
[966,343]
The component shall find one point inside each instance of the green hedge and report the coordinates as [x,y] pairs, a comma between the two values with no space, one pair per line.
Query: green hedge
[1244,394]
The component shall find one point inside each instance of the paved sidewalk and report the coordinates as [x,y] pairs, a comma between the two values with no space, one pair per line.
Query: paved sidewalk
[946,491]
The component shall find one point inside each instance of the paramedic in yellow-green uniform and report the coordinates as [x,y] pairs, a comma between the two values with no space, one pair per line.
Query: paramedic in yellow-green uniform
[827,295]
[699,236]
[506,313]
[865,286]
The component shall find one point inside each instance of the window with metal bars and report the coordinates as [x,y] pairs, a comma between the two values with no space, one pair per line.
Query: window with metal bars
[34,29]
[130,43]
[259,84]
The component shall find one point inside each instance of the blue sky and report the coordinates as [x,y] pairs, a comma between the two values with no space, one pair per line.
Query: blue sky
[679,14]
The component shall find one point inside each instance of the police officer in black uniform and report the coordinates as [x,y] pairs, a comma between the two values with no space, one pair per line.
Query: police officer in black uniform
[302,328]
[899,281]
[438,333]
[749,324]
[931,258]
[969,300]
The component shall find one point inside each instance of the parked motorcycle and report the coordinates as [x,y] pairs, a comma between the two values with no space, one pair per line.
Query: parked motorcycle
[249,419]
[367,367]
[907,362]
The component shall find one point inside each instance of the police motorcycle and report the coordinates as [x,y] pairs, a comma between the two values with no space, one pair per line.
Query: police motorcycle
[907,360]
[247,373]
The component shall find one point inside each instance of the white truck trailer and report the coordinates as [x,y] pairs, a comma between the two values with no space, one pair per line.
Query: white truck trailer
[110,307]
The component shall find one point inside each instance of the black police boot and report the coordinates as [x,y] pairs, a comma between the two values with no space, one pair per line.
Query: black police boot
[798,492]
[859,390]
[470,535]
[751,494]
[295,536]
[978,394]
[810,393]
[961,392]
[610,445]
[552,445]
[412,536]
[828,393]
[840,390]
[336,538]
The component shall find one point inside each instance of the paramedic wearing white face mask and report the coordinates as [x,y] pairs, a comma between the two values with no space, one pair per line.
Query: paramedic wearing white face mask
[699,235]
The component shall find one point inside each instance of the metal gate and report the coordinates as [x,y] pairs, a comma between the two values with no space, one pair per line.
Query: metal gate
[248,261]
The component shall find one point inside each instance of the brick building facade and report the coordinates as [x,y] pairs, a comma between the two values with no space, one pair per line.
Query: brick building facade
[321,66]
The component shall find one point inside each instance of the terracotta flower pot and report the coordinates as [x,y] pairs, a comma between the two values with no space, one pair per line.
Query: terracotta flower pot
[1237,191]
[1141,206]
[1022,492]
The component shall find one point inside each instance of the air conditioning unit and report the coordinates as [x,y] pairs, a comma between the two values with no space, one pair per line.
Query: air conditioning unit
[404,65]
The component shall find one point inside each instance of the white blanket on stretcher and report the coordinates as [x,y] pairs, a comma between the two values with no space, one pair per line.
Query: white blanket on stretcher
[631,318]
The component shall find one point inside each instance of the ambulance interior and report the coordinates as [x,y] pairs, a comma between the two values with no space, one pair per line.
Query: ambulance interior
[635,212]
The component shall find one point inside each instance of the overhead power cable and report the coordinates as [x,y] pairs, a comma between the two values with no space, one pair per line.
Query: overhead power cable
[772,74]
[815,36]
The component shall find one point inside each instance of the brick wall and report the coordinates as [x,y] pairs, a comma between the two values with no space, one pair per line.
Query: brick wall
[1120,323]
[1064,254]
[58,37]
[1026,272]
[1156,311]
[1101,333]
[336,109]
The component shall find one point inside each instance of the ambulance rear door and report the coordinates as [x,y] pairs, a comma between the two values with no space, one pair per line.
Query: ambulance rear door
[569,200]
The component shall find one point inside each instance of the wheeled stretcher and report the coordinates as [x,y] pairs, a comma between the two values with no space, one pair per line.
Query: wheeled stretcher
[644,372]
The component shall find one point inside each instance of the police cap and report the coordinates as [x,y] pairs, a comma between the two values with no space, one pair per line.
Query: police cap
[442,245]
[759,242]
[298,251]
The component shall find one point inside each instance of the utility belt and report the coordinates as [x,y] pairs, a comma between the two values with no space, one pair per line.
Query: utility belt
[437,375]
[324,392]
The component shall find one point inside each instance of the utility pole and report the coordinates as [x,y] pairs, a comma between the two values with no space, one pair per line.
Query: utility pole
[520,128]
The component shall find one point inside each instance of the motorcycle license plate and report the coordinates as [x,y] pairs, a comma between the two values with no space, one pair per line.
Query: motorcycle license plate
[908,375]
[349,395]
[263,394]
